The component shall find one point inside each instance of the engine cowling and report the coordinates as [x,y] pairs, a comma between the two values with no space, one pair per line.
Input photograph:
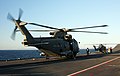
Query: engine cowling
[68,37]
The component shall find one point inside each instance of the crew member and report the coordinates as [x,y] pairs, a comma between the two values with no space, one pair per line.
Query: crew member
[110,49]
[87,50]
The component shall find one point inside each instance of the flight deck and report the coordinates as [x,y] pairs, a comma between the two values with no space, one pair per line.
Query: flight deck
[92,65]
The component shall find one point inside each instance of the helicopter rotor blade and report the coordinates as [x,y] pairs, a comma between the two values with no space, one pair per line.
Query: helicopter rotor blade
[42,26]
[90,32]
[10,17]
[14,33]
[88,27]
[41,30]
[20,13]
[38,30]
[18,22]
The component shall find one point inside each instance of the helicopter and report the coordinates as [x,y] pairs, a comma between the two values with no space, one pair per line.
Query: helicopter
[103,48]
[100,48]
[59,44]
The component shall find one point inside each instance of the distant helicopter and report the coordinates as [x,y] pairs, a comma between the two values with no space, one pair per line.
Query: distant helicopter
[100,48]
[59,44]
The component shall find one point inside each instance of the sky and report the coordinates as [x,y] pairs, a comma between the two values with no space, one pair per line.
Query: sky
[61,14]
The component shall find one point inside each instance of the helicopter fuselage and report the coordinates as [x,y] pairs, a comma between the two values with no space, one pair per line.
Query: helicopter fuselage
[54,46]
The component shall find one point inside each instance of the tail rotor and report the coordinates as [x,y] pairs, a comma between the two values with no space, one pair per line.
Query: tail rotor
[17,22]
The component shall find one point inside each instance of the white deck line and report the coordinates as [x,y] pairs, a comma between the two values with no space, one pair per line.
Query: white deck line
[78,72]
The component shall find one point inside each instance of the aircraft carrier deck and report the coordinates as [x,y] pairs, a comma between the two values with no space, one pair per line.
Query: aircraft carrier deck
[93,65]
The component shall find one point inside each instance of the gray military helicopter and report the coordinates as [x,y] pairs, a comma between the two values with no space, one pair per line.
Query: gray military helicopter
[59,44]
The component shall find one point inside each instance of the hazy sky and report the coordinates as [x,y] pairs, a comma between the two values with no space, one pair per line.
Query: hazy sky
[62,14]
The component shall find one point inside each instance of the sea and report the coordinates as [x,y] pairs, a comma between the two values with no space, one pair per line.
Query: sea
[27,54]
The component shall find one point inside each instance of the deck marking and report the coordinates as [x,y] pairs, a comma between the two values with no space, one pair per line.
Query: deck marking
[73,74]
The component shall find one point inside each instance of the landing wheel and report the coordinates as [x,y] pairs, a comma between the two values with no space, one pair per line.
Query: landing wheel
[74,55]
[71,55]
